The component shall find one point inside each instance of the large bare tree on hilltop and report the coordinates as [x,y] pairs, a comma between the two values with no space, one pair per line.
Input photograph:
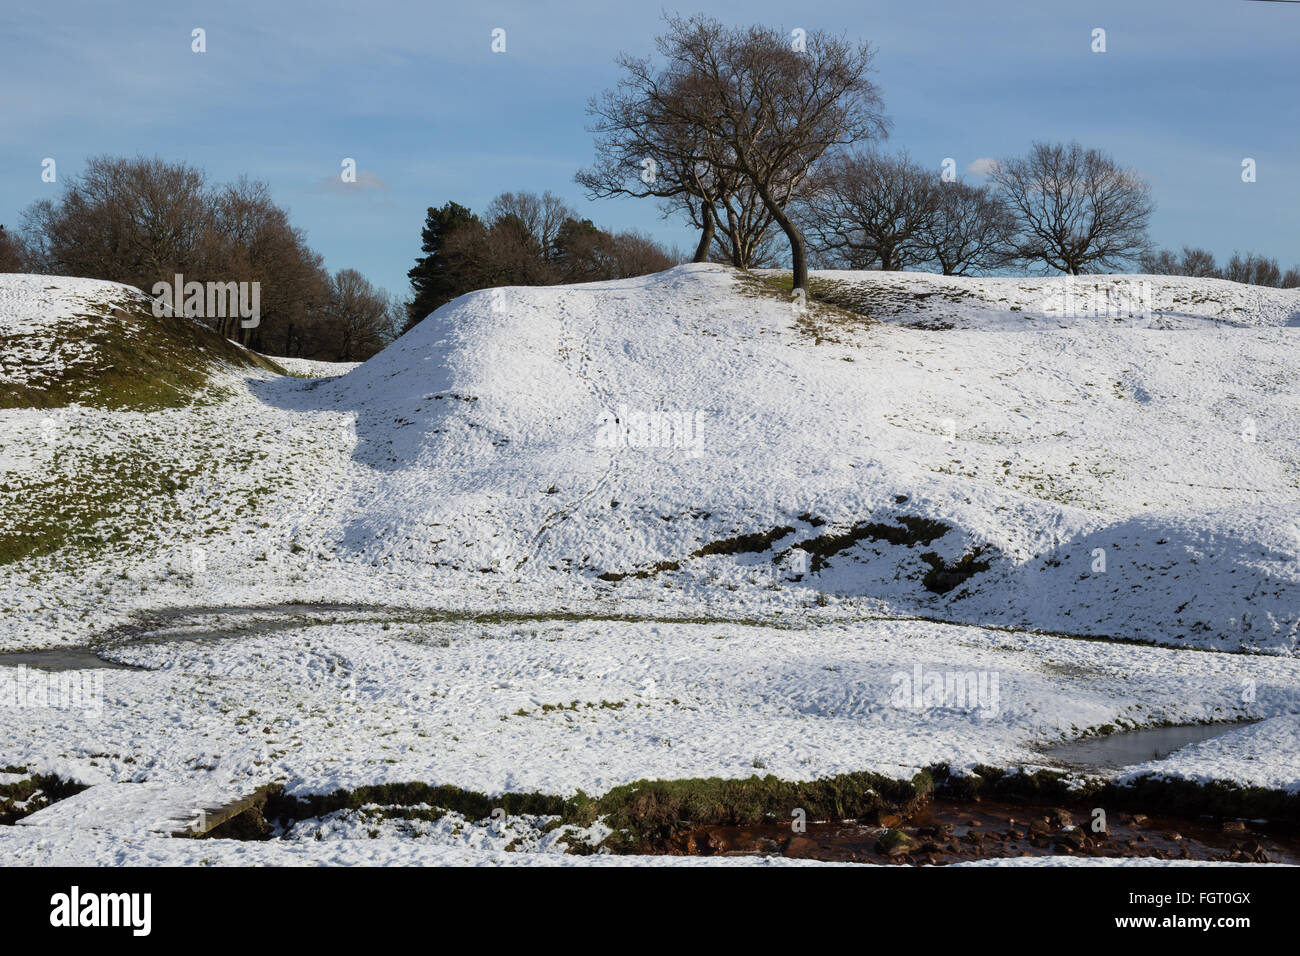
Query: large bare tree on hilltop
[1076,209]
[732,108]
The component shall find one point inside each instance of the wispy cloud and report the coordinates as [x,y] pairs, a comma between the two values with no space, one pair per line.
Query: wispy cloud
[366,181]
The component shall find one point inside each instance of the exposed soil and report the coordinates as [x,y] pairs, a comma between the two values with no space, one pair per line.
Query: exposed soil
[945,832]
[910,530]
[26,796]
[943,577]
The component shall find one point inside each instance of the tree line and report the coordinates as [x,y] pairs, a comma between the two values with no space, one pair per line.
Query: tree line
[1250,268]
[750,133]
[769,144]
[143,220]
[522,239]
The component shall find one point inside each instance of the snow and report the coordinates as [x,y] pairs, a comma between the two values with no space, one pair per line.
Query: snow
[28,847]
[558,706]
[43,320]
[1123,476]
[132,808]
[1010,304]
[473,455]
[313,368]
[1266,755]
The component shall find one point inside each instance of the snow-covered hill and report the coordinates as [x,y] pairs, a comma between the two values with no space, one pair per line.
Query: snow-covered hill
[568,538]
[694,440]
[90,342]
[1116,479]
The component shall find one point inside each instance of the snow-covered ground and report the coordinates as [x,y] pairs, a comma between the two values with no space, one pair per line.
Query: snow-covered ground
[312,368]
[727,528]
[559,706]
[24,846]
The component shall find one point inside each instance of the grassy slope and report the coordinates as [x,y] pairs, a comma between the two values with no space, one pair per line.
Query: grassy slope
[102,348]
[128,358]
[468,447]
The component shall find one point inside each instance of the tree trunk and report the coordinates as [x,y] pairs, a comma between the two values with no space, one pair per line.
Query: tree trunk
[798,249]
[745,253]
[706,237]
[798,253]
[737,252]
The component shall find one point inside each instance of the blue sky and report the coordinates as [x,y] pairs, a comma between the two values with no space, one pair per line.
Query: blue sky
[413,92]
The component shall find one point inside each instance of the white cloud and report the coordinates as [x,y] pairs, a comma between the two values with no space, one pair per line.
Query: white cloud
[982,166]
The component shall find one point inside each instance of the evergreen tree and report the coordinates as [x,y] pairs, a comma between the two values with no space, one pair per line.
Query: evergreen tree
[431,278]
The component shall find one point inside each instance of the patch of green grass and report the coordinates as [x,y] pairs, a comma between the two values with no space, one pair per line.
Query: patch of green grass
[646,813]
[119,355]
[820,316]
[872,301]
[89,498]
[468,803]
[70,506]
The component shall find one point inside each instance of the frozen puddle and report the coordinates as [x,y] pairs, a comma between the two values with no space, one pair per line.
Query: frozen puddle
[177,625]
[200,625]
[77,658]
[1134,746]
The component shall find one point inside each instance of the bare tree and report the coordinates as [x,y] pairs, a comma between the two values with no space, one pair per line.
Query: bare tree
[1198,263]
[702,211]
[870,208]
[971,230]
[732,218]
[1253,269]
[747,230]
[480,256]
[1075,209]
[633,253]
[644,149]
[540,216]
[589,254]
[250,239]
[357,316]
[767,111]
[525,239]
[13,257]
[136,221]
[141,221]
[1162,262]
[517,243]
